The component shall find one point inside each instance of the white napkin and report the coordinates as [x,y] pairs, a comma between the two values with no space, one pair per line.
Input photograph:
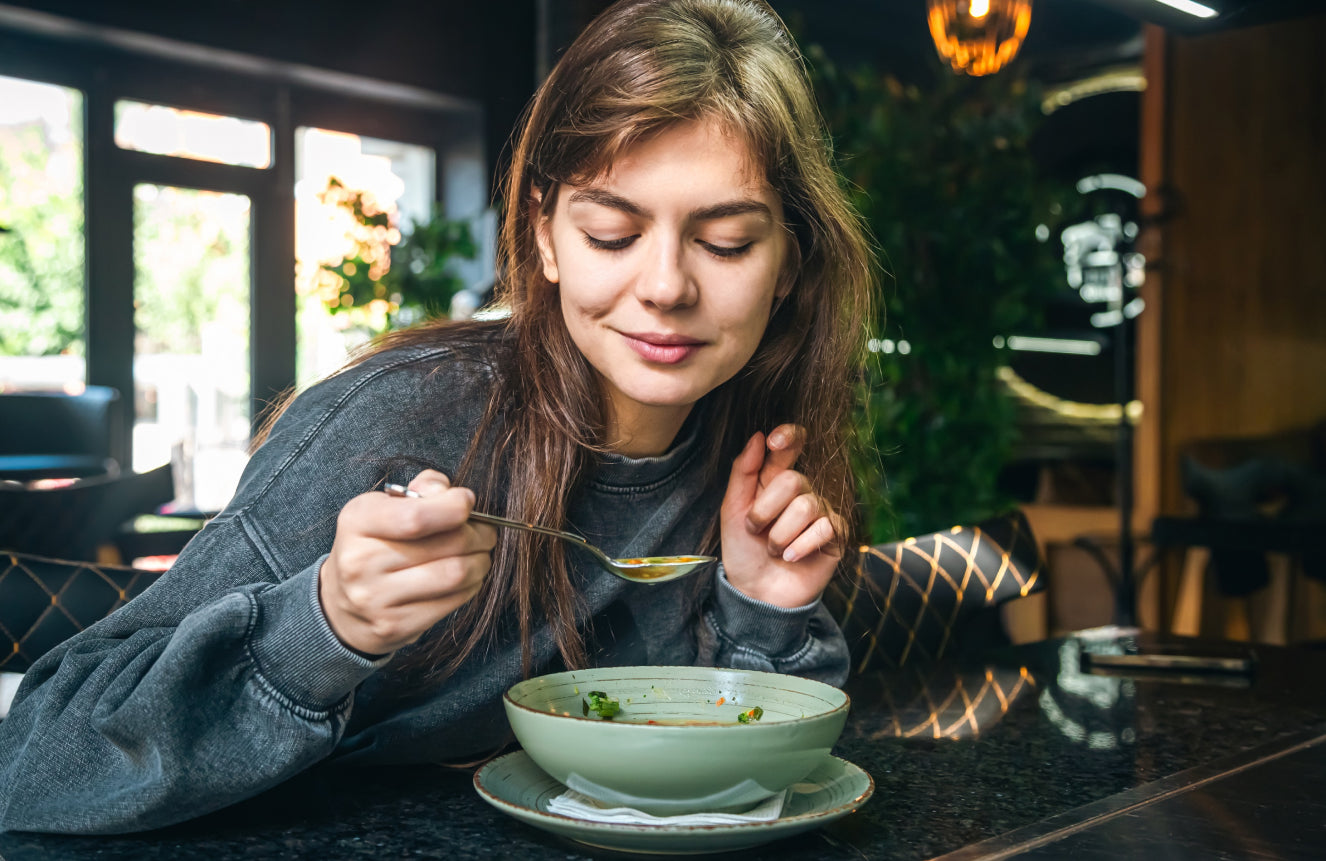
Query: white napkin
[578,806]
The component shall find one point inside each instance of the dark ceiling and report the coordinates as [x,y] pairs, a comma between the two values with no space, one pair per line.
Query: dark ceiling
[1066,38]
[455,45]
[490,51]
[891,35]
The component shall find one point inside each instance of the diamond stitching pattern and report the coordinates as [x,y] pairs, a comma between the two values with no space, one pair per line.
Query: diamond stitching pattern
[908,600]
[45,601]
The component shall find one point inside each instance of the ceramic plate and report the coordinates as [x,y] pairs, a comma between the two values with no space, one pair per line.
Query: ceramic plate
[515,785]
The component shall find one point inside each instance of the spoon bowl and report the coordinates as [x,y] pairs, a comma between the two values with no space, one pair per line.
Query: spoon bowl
[643,569]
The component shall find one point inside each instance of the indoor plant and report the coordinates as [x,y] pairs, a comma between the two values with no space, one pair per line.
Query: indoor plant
[393,278]
[951,192]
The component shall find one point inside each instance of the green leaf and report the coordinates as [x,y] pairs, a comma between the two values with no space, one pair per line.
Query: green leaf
[601,704]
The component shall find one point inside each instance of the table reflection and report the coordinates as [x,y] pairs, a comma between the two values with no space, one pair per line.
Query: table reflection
[938,702]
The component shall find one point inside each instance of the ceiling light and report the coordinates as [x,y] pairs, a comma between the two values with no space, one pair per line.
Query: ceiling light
[1067,346]
[978,37]
[1191,7]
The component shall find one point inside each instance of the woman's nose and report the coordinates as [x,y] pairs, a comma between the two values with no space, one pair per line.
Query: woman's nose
[665,283]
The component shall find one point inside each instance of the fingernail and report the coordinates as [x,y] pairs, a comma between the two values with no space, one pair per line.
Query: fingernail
[790,555]
[777,439]
[470,495]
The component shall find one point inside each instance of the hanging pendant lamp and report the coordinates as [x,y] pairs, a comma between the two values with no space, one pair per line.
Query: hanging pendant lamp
[979,37]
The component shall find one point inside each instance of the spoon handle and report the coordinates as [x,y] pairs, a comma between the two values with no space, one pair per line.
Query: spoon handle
[542,530]
[494,520]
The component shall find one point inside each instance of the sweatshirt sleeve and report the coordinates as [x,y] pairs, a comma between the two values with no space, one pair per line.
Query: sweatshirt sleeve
[224,677]
[154,715]
[743,633]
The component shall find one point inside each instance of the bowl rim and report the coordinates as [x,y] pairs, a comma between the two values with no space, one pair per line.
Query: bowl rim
[843,707]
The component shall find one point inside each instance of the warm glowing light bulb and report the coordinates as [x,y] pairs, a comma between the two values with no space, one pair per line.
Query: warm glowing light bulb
[978,37]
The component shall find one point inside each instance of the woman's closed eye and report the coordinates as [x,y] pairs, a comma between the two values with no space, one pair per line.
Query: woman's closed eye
[725,250]
[618,244]
[621,243]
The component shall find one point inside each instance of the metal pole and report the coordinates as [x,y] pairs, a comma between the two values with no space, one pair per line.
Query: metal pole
[1126,592]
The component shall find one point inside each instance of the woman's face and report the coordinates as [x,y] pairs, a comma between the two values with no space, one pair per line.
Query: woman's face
[667,269]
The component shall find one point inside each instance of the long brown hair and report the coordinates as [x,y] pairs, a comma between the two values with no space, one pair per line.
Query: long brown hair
[639,68]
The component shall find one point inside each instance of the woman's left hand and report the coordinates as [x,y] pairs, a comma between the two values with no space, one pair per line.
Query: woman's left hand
[781,540]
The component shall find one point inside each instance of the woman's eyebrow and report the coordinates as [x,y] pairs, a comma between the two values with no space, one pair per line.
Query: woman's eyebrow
[730,208]
[608,199]
[726,209]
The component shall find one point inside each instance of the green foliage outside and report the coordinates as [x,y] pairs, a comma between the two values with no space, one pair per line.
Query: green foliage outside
[951,192]
[191,268]
[190,255]
[411,280]
[41,252]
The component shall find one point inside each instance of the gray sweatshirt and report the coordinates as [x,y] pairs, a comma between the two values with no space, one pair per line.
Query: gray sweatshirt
[224,678]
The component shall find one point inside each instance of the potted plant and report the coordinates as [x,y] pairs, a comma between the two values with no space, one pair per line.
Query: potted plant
[394,278]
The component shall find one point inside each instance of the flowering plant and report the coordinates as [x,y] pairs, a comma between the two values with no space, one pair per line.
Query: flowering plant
[394,278]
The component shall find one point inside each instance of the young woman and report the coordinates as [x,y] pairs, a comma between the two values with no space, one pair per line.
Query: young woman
[686,284]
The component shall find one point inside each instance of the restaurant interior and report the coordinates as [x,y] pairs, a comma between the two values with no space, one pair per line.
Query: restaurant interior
[1100,350]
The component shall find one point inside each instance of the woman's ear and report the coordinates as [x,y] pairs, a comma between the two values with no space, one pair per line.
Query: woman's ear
[543,236]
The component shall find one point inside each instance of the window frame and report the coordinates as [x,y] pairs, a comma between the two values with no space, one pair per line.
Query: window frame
[283,96]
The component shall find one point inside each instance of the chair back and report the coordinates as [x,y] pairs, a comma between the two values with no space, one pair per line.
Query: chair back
[924,598]
[1254,484]
[44,601]
[55,434]
[73,521]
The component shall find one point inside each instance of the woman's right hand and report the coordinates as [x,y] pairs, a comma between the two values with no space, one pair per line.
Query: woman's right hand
[399,565]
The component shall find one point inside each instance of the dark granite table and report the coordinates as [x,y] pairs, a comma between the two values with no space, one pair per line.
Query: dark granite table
[1027,755]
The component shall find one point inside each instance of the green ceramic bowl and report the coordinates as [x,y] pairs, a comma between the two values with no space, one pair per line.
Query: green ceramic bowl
[677,744]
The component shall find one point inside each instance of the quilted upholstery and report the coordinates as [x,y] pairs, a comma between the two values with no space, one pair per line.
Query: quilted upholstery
[914,599]
[45,601]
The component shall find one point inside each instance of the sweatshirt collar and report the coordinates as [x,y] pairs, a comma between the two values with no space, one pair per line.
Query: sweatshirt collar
[619,472]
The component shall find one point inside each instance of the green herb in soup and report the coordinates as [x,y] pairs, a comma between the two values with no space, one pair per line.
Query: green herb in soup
[600,704]
[751,715]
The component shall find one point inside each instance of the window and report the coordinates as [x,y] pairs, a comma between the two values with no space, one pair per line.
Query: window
[42,338]
[398,178]
[186,208]
[191,351]
[192,134]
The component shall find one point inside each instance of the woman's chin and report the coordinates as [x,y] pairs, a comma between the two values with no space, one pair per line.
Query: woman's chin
[663,398]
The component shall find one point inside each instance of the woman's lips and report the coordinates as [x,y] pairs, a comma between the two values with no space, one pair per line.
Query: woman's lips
[664,349]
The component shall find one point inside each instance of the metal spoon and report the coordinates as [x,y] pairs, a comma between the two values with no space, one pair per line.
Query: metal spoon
[648,569]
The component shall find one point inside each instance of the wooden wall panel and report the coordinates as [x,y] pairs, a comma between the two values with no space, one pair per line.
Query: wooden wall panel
[1149,344]
[1239,343]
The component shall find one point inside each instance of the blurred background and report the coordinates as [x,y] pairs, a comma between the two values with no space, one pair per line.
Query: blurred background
[1098,225]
